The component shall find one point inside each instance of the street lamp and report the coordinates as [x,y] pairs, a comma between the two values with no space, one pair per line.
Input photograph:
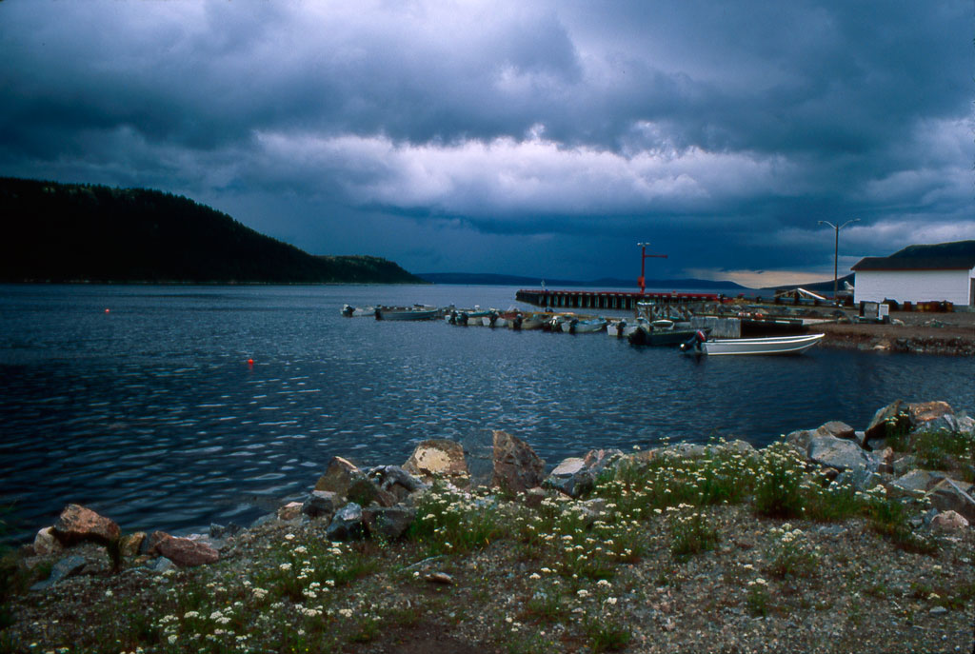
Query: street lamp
[837,229]
[641,280]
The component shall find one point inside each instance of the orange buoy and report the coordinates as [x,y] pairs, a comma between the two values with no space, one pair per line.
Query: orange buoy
[250,362]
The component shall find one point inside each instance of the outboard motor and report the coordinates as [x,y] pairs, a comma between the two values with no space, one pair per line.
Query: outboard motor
[463,318]
[695,342]
[621,326]
[348,311]
[517,322]
[573,326]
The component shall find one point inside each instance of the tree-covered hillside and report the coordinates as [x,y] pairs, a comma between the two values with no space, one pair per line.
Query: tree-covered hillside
[71,232]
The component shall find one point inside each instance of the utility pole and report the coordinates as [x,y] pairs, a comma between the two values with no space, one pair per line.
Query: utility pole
[641,280]
[837,229]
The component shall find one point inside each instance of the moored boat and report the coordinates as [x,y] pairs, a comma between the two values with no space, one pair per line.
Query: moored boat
[577,326]
[416,312]
[699,344]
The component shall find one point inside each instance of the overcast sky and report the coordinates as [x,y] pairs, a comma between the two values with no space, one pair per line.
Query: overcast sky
[532,138]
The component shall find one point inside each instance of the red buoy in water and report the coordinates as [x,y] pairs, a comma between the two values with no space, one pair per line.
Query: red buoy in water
[250,362]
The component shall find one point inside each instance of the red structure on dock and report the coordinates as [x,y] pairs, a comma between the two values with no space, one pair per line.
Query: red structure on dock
[606,299]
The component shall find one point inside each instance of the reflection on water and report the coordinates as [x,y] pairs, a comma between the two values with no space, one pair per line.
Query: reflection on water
[151,414]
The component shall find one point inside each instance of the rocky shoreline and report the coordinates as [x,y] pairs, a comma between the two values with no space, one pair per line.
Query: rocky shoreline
[829,540]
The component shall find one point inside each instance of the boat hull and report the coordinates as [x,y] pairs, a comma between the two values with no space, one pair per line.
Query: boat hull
[405,314]
[751,346]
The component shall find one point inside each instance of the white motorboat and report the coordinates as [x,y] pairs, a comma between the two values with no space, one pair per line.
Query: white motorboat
[577,326]
[770,345]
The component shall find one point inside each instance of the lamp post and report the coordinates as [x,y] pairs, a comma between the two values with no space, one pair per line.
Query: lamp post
[641,280]
[837,229]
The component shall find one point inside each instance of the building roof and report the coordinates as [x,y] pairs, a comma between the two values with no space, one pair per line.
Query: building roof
[958,255]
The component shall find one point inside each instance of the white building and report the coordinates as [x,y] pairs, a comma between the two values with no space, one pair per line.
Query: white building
[919,273]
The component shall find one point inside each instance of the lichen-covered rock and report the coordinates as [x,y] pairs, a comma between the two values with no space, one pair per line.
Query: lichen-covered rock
[515,465]
[438,458]
[338,476]
[77,524]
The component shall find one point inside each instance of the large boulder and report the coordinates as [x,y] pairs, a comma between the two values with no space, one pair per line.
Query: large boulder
[915,483]
[184,552]
[77,524]
[515,466]
[388,523]
[338,476]
[841,454]
[904,417]
[438,458]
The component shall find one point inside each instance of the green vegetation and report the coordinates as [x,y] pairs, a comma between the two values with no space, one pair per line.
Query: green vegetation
[73,232]
[561,575]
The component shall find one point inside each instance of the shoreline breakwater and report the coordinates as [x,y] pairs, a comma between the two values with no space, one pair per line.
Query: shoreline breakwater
[580,535]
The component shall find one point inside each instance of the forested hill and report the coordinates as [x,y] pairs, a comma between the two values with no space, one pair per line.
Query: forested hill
[70,232]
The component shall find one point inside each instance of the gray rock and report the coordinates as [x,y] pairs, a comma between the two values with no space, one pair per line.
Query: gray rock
[66,567]
[861,479]
[571,477]
[365,492]
[840,454]
[953,495]
[915,483]
[320,504]
[347,524]
[800,439]
[389,523]
[160,565]
[224,531]
[836,429]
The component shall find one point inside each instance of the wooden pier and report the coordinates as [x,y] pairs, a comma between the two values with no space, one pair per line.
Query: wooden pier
[612,300]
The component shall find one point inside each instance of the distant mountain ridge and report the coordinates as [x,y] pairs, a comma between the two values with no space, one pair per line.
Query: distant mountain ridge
[489,279]
[57,232]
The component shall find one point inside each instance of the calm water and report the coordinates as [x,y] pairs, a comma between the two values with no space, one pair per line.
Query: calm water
[150,413]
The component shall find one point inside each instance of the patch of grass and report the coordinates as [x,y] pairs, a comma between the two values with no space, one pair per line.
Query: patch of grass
[607,636]
[781,485]
[449,521]
[944,450]
[690,531]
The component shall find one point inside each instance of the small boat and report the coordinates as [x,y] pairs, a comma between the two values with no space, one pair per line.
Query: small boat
[416,312]
[577,326]
[647,334]
[524,323]
[699,344]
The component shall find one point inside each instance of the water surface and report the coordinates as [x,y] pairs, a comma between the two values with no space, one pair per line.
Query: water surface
[150,413]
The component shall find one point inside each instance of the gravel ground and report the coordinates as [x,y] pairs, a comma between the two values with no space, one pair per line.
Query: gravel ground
[908,331]
[856,592]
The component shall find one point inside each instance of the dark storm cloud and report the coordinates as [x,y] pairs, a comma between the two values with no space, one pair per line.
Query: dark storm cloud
[590,120]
